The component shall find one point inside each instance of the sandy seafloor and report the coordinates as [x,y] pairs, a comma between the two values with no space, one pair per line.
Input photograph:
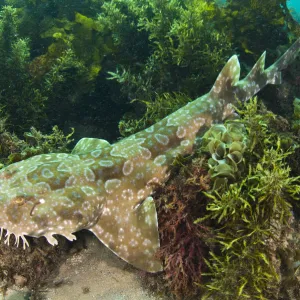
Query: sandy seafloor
[93,273]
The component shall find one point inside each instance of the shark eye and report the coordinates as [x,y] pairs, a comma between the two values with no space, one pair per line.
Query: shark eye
[19,200]
[22,199]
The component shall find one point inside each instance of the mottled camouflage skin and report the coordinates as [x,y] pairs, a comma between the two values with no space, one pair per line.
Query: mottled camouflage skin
[106,188]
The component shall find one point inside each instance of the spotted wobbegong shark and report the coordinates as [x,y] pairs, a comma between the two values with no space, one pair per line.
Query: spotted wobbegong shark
[106,188]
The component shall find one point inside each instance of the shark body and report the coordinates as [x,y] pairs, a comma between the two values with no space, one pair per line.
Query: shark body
[107,188]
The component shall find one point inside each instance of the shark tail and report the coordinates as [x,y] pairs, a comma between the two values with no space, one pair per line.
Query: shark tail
[229,87]
[274,71]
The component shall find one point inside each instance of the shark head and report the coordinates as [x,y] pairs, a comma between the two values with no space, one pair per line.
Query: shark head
[62,193]
[36,200]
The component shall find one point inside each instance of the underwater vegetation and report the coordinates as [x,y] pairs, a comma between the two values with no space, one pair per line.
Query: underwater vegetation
[224,241]
[23,99]
[156,110]
[253,19]
[183,243]
[43,190]
[13,149]
[226,145]
[14,79]
[184,48]
[56,56]
[296,116]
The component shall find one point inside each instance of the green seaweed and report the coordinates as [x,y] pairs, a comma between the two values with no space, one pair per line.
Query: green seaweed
[19,99]
[150,47]
[240,228]
[156,110]
[250,217]
[226,145]
[258,25]
[13,149]
[31,88]
[296,116]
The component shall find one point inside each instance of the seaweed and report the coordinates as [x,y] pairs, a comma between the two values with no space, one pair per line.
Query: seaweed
[252,217]
[257,25]
[15,86]
[185,49]
[149,47]
[14,149]
[156,110]
[226,145]
[183,243]
[162,53]
[230,241]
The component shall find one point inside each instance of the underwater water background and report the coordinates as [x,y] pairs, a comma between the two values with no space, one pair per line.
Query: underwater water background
[107,69]
[294,5]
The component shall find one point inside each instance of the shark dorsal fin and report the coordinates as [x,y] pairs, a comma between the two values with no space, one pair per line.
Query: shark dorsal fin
[256,79]
[258,69]
[228,77]
[88,145]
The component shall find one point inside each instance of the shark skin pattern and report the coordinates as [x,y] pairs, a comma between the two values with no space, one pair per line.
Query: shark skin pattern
[107,188]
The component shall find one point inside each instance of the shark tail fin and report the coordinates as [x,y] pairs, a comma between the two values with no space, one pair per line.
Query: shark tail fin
[229,87]
[259,77]
[257,71]
[274,71]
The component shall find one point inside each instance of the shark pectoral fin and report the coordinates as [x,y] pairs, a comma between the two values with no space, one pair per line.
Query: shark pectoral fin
[131,233]
[88,145]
